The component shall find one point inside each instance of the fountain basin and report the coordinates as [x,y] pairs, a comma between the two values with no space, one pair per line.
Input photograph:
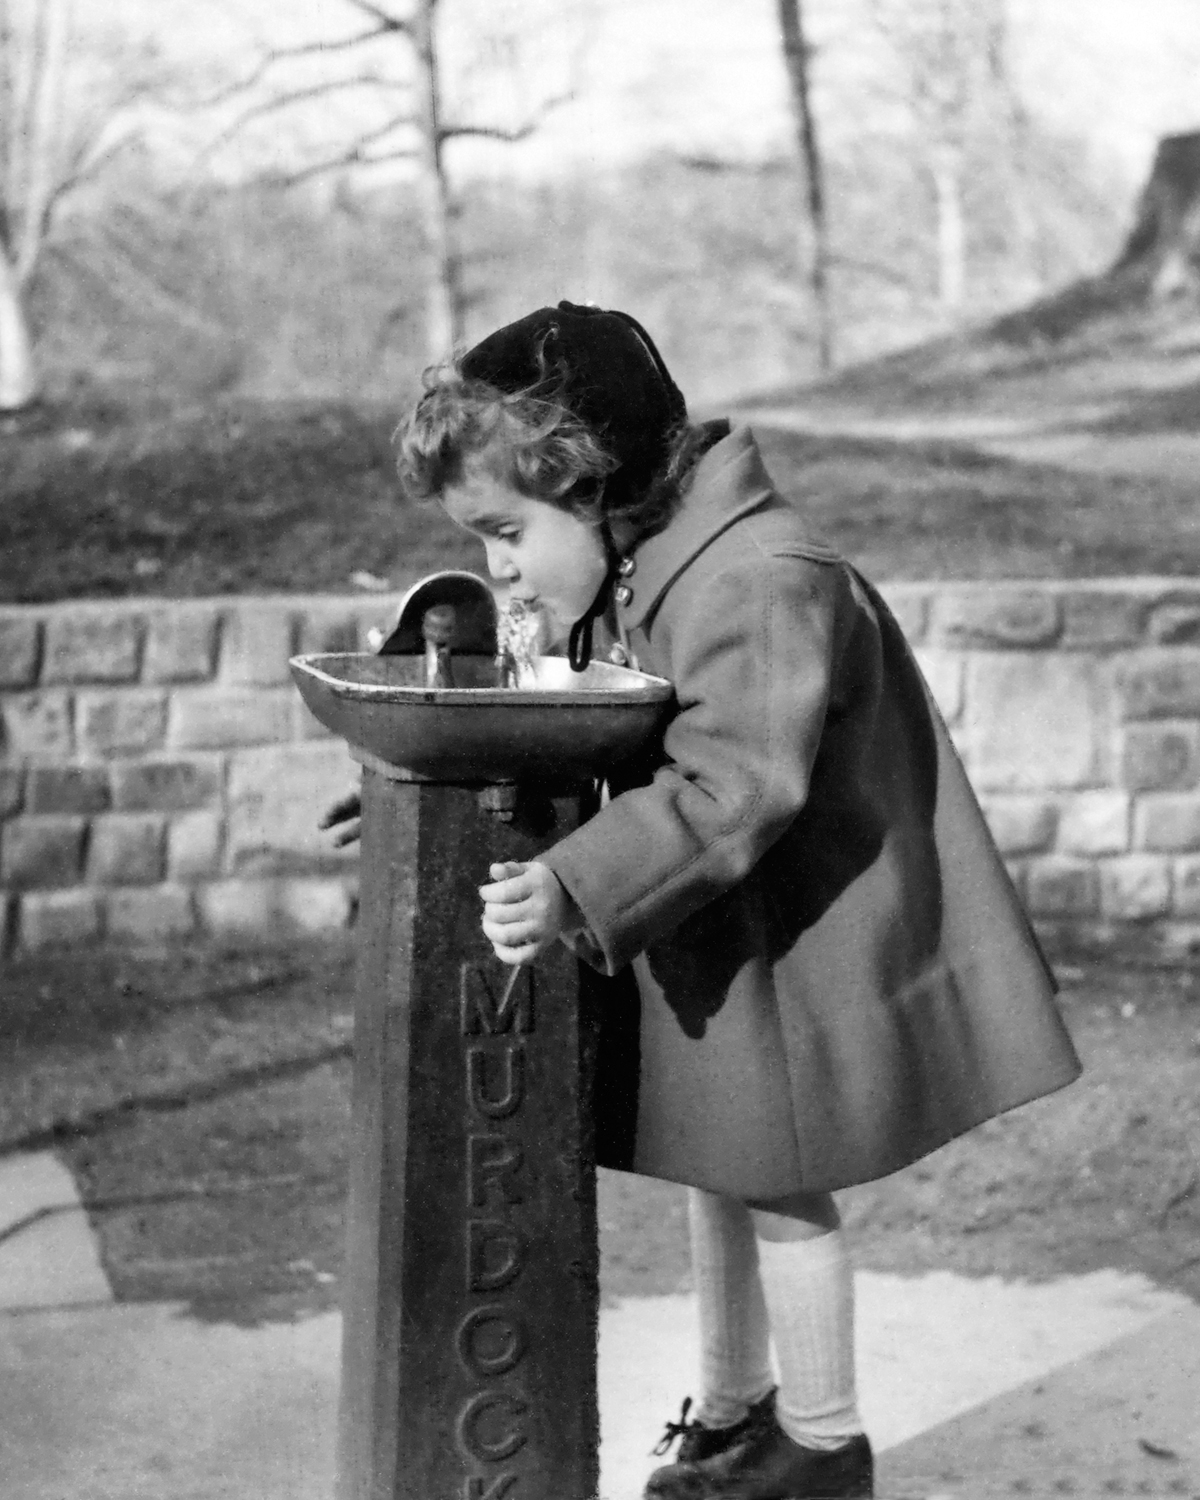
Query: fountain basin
[568,726]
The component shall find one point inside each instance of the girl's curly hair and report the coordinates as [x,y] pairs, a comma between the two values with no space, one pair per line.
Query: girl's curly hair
[531,441]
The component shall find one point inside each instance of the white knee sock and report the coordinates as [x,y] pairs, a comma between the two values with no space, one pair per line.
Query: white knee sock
[809,1293]
[735,1365]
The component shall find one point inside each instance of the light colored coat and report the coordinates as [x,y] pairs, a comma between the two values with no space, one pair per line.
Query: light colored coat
[834,973]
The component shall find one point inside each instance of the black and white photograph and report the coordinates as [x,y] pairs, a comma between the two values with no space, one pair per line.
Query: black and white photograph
[599,749]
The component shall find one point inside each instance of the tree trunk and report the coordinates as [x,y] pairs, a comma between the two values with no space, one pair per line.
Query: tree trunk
[1166,233]
[946,170]
[43,127]
[796,58]
[18,380]
[444,298]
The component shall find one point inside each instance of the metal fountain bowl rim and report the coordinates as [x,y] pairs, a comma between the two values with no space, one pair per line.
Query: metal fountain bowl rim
[609,685]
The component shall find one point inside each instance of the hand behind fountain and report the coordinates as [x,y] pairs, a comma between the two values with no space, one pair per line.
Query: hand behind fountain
[347,810]
[524,910]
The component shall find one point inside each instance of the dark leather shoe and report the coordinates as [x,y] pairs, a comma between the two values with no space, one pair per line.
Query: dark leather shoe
[696,1441]
[765,1464]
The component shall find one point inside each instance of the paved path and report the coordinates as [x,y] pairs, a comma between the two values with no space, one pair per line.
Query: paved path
[970,1388]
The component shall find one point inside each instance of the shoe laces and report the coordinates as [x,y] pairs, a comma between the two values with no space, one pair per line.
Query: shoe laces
[675,1430]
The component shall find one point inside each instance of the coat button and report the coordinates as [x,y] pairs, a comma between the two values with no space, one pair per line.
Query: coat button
[619,656]
[626,567]
[624,593]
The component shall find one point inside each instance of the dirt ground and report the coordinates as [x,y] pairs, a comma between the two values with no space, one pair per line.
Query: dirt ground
[202,1103]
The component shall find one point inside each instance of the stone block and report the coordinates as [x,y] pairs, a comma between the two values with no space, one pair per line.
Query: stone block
[275,799]
[238,907]
[910,605]
[379,614]
[68,789]
[58,919]
[12,791]
[1167,822]
[212,718]
[181,642]
[1056,886]
[20,641]
[274,907]
[327,628]
[1017,870]
[1159,684]
[1095,823]
[943,671]
[1186,887]
[37,852]
[1135,887]
[92,646]
[151,914]
[1036,720]
[174,785]
[194,845]
[126,849]
[996,616]
[1021,825]
[305,725]
[37,727]
[1161,757]
[256,643]
[314,906]
[121,723]
[1102,617]
[1176,622]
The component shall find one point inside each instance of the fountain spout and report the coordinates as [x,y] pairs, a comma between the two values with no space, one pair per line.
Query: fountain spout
[437,630]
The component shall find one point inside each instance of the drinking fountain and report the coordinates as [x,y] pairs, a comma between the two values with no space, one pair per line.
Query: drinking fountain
[470,1284]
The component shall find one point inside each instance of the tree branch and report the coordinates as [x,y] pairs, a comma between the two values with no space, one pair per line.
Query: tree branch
[294,96]
[285,54]
[505,133]
[85,166]
[354,156]
[387,22]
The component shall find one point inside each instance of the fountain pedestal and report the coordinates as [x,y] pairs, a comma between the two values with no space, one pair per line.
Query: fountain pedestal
[469,1344]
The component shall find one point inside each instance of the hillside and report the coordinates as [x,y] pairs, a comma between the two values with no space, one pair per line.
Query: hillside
[1102,377]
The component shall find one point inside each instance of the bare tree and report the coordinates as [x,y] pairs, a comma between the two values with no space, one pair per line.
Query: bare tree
[797,57]
[394,62]
[948,53]
[57,132]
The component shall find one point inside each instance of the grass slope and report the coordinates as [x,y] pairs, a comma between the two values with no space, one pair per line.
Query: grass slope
[239,497]
[245,497]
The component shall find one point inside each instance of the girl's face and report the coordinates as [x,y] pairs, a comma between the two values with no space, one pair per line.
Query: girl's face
[544,555]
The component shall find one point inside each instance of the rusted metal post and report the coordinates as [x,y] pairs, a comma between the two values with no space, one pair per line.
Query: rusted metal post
[470,1302]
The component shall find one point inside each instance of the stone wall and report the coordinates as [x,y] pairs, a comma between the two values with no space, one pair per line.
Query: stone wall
[159,776]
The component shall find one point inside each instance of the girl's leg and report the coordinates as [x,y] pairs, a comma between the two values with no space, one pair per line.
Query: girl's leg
[809,1292]
[735,1363]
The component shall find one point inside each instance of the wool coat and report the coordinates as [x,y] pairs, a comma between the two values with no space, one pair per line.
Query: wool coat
[816,969]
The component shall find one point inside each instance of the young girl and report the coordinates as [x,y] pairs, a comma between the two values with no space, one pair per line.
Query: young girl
[833,973]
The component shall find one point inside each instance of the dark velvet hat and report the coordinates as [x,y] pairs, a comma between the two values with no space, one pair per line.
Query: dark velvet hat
[604,367]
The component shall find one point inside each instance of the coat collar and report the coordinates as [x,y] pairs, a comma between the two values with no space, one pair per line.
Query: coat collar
[730,480]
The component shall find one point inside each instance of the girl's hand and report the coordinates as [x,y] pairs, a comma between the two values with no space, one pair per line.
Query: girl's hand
[347,810]
[524,910]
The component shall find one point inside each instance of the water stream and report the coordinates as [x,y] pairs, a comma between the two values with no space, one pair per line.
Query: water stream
[517,630]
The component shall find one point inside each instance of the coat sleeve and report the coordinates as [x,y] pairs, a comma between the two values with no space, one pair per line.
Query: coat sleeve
[750,652]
